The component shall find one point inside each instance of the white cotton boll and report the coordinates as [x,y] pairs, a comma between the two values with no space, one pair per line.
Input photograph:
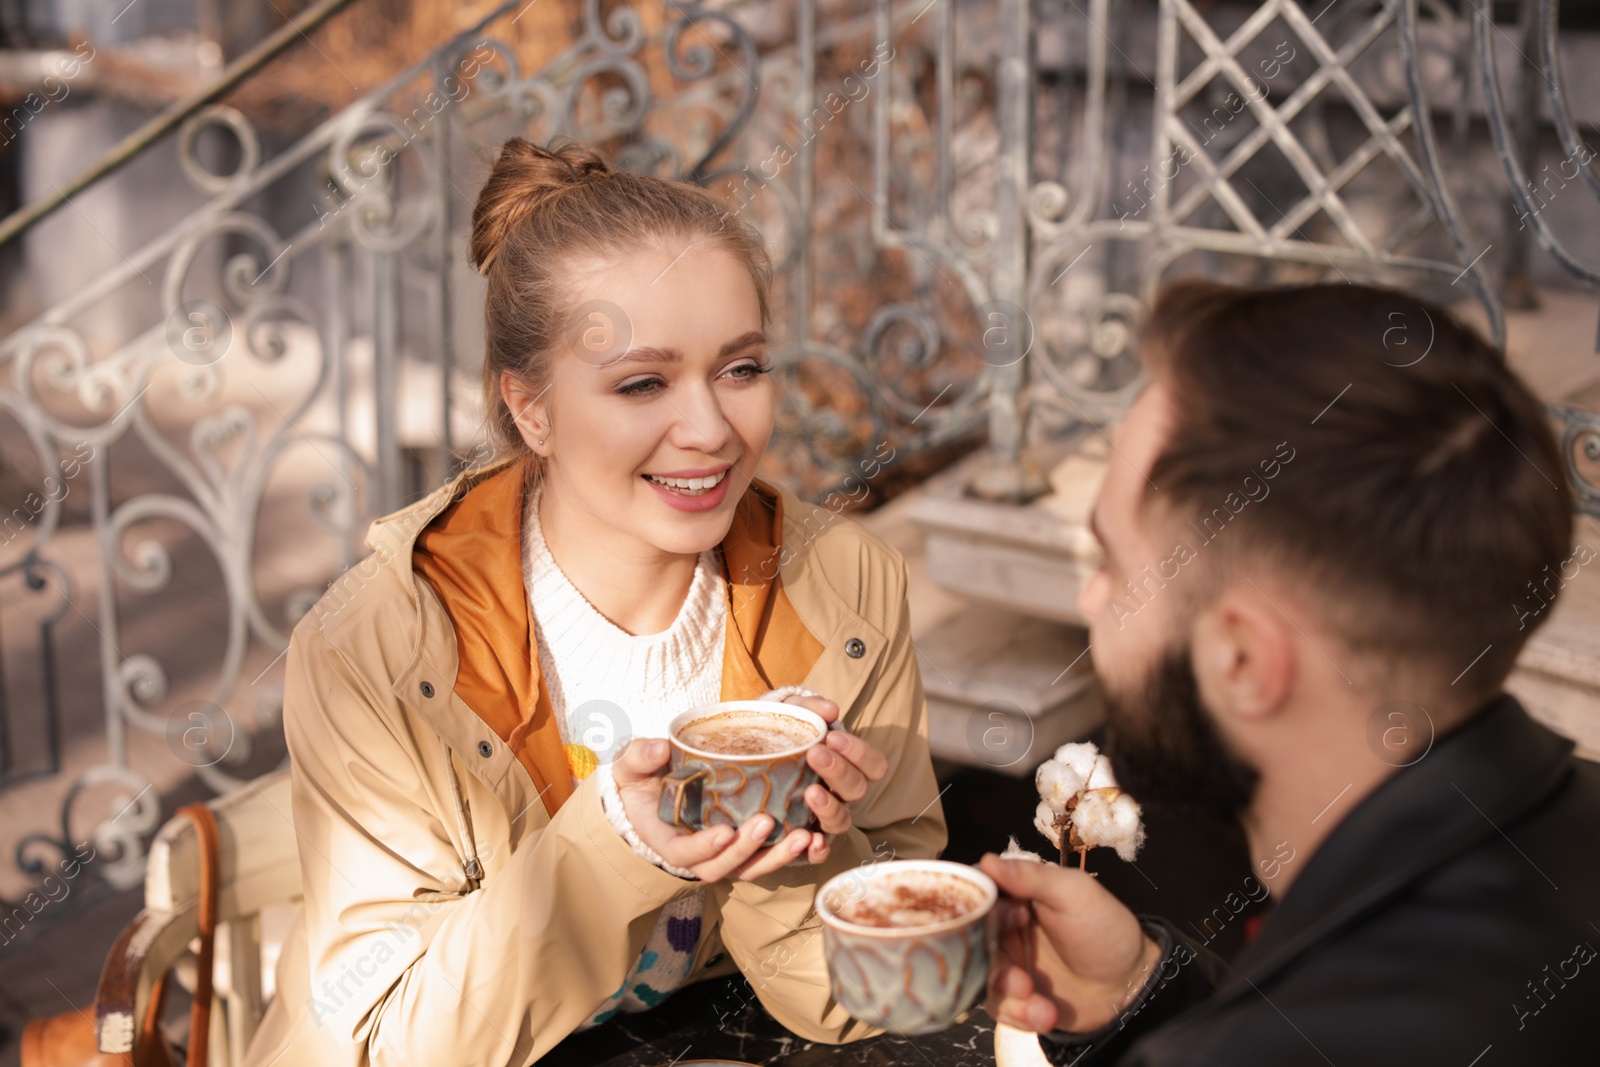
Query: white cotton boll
[1101,777]
[1110,818]
[1044,819]
[1015,851]
[1079,755]
[1128,817]
[1057,783]
[1094,820]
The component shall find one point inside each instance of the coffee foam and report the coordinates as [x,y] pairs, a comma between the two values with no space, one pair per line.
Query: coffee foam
[747,733]
[910,898]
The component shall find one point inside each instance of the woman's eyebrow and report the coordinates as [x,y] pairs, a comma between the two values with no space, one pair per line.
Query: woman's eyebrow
[744,340]
[650,354]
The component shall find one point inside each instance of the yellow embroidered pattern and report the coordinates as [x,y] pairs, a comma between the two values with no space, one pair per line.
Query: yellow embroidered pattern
[581,761]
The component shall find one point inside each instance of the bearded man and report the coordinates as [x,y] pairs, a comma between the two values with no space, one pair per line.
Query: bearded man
[1329,524]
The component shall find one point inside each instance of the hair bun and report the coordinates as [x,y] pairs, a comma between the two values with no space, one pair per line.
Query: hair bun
[524,178]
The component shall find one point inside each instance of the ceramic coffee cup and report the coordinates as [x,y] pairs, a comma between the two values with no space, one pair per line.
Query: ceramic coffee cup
[734,760]
[909,942]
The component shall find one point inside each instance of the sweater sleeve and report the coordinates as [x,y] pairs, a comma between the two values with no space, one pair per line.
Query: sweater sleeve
[611,801]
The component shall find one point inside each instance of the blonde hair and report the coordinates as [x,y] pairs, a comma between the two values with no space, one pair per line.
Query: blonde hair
[541,207]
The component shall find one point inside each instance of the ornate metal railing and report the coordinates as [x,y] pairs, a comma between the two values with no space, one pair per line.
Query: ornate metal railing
[1580,429]
[965,229]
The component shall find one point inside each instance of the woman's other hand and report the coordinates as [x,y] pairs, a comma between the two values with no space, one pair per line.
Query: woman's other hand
[712,854]
[846,764]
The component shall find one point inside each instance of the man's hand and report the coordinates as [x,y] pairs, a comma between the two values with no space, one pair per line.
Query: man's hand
[846,764]
[1071,954]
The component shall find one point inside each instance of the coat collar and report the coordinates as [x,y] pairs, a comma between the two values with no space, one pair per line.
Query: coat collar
[468,549]
[1479,777]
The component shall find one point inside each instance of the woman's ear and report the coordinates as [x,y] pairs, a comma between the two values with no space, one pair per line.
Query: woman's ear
[528,410]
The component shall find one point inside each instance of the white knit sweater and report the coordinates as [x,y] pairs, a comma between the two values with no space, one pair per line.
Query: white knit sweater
[606,686]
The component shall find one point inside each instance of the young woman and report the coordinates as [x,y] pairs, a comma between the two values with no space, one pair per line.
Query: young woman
[479,880]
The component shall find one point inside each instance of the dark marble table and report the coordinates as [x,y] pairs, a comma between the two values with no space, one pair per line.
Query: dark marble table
[722,1019]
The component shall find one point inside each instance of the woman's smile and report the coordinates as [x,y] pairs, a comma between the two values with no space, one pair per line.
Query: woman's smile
[694,490]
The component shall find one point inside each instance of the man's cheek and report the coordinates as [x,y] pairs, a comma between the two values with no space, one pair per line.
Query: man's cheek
[1121,659]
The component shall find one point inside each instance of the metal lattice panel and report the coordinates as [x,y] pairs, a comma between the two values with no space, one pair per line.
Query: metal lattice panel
[1012,228]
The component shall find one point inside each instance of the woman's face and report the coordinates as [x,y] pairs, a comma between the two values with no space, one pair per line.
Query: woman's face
[657,409]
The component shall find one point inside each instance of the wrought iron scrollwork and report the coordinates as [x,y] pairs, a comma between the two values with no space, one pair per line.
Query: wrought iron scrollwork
[1578,153]
[1021,288]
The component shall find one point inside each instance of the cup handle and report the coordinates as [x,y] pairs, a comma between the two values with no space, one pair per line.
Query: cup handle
[681,790]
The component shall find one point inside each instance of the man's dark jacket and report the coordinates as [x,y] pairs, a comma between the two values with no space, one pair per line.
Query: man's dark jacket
[1452,918]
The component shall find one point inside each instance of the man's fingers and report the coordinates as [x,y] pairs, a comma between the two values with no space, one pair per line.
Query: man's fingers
[643,757]
[1012,983]
[1011,1000]
[1017,946]
[1024,1014]
[1035,1014]
[1055,887]
[1015,915]
[1016,878]
[866,758]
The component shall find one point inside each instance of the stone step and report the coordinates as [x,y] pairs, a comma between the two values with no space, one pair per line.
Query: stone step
[1032,558]
[1005,689]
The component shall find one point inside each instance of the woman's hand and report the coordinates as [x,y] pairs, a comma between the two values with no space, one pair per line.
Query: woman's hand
[712,854]
[846,764]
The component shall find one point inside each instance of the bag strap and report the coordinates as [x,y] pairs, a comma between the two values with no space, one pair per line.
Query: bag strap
[208,845]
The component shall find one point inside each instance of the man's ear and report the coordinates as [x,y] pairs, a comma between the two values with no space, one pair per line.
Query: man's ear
[528,409]
[1244,655]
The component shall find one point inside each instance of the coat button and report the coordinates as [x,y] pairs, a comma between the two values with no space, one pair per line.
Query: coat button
[427,689]
[855,648]
[485,749]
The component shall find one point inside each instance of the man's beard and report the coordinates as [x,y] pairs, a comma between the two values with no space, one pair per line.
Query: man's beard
[1166,750]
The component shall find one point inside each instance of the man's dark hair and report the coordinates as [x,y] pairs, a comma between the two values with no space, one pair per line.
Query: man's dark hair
[1426,498]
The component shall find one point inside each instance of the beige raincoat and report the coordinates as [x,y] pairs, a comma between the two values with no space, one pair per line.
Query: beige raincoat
[465,904]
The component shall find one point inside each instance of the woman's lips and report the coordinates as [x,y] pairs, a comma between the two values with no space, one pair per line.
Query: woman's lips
[691,494]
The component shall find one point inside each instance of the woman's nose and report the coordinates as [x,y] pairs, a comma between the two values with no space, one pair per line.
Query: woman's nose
[702,425]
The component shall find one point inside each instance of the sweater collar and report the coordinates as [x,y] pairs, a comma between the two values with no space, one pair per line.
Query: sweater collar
[469,551]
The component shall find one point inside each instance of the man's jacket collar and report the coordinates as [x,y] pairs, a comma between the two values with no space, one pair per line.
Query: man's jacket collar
[1479,777]
[468,549]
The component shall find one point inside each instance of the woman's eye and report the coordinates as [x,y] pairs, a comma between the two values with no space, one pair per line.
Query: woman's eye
[749,370]
[642,387]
